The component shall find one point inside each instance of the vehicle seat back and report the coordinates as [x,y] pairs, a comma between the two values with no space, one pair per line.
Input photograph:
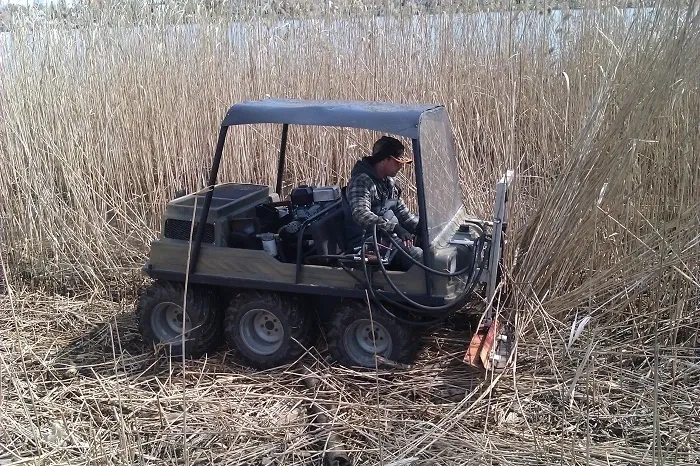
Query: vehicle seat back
[328,233]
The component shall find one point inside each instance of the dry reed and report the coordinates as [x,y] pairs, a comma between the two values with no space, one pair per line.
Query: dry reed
[83,389]
[598,114]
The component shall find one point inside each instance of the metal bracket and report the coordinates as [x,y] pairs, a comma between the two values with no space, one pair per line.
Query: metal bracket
[492,342]
[464,242]
[500,220]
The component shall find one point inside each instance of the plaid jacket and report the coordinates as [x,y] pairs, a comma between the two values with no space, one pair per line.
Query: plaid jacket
[367,195]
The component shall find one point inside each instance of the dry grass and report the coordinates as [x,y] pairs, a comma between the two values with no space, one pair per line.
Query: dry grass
[83,389]
[102,124]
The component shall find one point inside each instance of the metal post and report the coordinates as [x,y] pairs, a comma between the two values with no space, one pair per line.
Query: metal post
[280,163]
[500,220]
[207,200]
[422,213]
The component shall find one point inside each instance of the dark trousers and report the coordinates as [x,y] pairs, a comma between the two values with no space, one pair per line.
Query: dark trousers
[403,263]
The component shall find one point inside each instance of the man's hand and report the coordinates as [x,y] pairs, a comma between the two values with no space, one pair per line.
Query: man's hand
[404,235]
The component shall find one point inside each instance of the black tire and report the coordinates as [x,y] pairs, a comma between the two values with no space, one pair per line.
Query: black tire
[351,342]
[157,313]
[268,329]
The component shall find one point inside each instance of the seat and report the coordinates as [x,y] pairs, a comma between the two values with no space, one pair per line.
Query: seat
[328,234]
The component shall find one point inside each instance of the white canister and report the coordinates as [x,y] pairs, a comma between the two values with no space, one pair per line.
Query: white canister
[269,243]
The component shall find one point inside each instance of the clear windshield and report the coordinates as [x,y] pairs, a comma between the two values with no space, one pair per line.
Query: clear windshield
[440,174]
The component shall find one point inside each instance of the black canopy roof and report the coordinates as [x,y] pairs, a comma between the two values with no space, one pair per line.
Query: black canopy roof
[398,119]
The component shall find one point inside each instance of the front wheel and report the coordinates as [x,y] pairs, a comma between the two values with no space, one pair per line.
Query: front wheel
[354,337]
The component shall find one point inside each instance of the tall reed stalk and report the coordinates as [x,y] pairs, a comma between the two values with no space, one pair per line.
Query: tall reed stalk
[106,115]
[102,124]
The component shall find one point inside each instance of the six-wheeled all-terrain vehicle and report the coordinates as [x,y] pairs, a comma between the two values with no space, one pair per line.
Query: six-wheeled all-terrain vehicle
[264,269]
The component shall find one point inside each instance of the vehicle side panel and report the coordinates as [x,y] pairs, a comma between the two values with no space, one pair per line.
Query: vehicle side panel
[254,264]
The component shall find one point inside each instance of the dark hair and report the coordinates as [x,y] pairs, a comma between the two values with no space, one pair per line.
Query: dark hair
[385,147]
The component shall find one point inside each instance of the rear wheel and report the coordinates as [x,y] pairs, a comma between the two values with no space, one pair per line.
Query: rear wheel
[268,329]
[161,318]
[354,337]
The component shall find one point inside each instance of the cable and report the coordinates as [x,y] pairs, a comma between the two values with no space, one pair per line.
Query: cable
[433,309]
[365,285]
[371,292]
[430,310]
[425,267]
[441,313]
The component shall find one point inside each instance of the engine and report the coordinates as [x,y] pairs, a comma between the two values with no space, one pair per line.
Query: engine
[283,221]
[307,201]
[247,216]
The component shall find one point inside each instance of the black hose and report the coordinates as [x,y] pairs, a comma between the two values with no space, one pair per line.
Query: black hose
[381,307]
[425,267]
[421,307]
[385,298]
[443,312]
[453,307]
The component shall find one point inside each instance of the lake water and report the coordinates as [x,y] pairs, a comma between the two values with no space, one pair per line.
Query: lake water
[555,27]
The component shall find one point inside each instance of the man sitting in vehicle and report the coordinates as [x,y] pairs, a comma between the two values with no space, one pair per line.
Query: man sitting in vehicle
[372,192]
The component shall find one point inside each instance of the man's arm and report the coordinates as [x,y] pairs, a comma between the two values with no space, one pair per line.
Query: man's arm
[406,218]
[359,194]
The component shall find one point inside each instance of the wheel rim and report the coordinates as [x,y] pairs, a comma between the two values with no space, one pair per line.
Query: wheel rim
[362,343]
[261,331]
[166,321]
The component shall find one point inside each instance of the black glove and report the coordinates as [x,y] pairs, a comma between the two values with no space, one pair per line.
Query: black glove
[402,233]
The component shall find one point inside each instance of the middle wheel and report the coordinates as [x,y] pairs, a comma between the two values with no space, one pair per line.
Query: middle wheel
[354,337]
[268,329]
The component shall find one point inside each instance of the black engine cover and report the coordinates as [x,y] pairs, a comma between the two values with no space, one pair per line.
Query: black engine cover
[303,195]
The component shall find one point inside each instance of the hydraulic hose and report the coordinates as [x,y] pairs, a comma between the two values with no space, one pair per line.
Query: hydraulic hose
[451,309]
[422,265]
[377,301]
[441,313]
[428,309]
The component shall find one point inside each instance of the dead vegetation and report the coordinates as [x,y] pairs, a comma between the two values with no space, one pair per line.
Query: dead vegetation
[82,389]
[600,117]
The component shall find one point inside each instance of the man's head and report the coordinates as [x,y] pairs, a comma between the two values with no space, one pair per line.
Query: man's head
[388,156]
